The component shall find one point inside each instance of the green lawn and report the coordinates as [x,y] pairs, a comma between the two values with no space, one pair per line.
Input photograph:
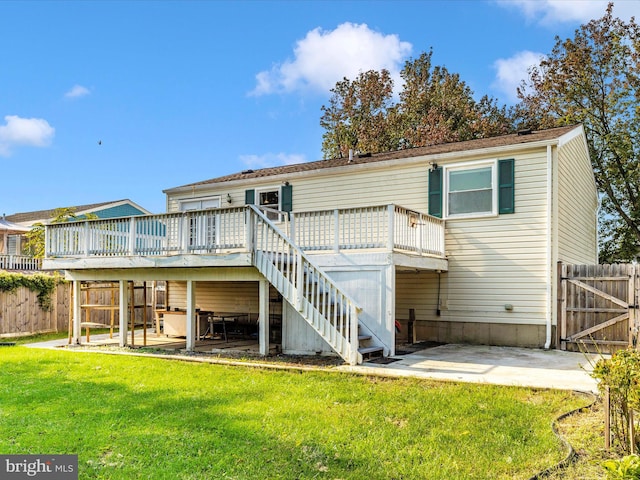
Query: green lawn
[135,417]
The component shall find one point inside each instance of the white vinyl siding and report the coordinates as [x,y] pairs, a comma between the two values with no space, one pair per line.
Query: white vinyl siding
[493,261]
[498,261]
[577,204]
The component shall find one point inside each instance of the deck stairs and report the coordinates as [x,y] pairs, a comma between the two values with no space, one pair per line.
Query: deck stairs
[304,285]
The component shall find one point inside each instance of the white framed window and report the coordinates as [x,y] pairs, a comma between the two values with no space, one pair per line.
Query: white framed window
[470,190]
[269,198]
[200,203]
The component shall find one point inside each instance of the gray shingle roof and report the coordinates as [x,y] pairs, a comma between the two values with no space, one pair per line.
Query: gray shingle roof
[468,145]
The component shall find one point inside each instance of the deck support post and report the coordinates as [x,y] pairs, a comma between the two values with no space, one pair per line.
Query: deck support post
[123,293]
[191,315]
[77,312]
[263,323]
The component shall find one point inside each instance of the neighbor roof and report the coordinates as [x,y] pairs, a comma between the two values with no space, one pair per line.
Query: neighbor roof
[468,145]
[40,215]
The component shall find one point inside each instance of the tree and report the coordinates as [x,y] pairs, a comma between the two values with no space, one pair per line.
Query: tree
[594,79]
[357,117]
[435,106]
[36,238]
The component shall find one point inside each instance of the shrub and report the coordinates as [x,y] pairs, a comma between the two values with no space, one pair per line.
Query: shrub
[625,468]
[621,374]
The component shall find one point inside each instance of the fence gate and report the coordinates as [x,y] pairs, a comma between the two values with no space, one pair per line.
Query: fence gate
[597,305]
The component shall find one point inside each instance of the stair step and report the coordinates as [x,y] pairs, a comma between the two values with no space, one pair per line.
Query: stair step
[370,350]
[362,338]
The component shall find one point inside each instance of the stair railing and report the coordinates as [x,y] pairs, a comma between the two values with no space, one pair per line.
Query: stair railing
[320,301]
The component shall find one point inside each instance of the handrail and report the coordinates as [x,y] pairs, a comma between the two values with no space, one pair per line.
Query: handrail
[329,310]
[20,262]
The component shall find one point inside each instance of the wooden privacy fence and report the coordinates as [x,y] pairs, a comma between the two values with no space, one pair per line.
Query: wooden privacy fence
[20,313]
[597,307]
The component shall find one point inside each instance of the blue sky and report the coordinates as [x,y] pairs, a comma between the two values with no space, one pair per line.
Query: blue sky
[107,100]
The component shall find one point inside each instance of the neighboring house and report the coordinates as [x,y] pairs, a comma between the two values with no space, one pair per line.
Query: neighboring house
[13,228]
[455,243]
[10,235]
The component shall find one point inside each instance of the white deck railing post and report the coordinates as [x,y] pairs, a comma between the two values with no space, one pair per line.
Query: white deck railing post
[86,239]
[132,236]
[249,232]
[336,230]
[184,246]
[299,285]
[353,335]
[391,230]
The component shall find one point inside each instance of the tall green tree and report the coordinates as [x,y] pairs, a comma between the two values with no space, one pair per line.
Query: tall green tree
[358,115]
[435,106]
[594,79]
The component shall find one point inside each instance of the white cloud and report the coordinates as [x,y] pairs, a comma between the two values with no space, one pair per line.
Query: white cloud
[77,91]
[559,11]
[511,71]
[32,132]
[323,57]
[271,160]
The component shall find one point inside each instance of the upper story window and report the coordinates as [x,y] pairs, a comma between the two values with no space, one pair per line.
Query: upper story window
[269,199]
[474,189]
[470,190]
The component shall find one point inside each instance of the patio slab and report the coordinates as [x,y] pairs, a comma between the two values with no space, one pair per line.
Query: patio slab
[523,367]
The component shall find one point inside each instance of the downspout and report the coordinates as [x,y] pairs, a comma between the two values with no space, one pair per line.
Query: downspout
[547,343]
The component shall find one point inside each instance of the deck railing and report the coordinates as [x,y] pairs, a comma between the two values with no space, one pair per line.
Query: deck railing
[19,262]
[387,226]
[210,231]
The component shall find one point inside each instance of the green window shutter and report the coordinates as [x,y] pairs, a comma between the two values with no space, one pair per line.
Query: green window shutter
[286,201]
[506,186]
[249,197]
[435,192]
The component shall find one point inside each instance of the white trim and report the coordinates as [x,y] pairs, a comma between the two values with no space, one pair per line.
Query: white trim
[469,166]
[550,271]
[182,201]
[275,188]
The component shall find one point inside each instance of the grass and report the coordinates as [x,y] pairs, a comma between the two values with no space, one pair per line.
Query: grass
[585,431]
[136,417]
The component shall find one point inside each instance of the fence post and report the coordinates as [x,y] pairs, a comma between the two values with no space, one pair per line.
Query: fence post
[632,433]
[607,418]
[563,306]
